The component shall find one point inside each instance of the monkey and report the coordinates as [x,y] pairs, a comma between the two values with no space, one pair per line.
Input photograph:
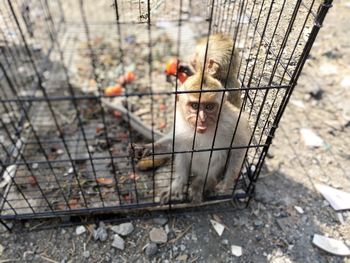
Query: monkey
[217,66]
[187,124]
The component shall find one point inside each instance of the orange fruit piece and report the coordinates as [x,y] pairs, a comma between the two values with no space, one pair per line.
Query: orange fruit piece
[171,66]
[114,90]
[129,76]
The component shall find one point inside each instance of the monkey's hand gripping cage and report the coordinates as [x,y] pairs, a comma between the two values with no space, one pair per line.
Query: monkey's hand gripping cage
[64,150]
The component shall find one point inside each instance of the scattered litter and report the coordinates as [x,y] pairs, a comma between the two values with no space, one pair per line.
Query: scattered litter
[219,228]
[333,246]
[338,199]
[299,209]
[236,251]
[80,230]
[9,173]
[310,138]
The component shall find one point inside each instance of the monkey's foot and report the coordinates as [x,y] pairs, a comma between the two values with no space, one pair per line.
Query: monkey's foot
[176,194]
[195,195]
[222,188]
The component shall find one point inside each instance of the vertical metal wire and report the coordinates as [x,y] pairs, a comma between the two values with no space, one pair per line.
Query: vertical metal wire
[175,102]
[150,59]
[126,95]
[234,39]
[201,88]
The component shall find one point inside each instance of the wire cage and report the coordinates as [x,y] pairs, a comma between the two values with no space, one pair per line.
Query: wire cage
[65,143]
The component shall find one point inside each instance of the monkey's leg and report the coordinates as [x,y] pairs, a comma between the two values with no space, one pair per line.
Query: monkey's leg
[198,188]
[234,97]
[182,166]
[232,171]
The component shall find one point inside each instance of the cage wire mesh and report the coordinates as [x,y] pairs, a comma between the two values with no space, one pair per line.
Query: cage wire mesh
[65,149]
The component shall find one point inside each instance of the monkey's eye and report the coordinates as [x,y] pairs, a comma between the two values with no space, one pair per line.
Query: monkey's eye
[195,106]
[210,107]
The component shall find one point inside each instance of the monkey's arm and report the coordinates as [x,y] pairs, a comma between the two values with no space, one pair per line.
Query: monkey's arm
[147,161]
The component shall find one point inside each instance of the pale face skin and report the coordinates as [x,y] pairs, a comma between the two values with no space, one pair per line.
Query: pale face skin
[207,114]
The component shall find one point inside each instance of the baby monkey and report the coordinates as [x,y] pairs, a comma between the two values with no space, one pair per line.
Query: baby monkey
[219,63]
[187,122]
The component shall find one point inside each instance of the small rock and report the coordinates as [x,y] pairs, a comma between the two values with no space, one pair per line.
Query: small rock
[310,138]
[258,223]
[86,254]
[151,249]
[328,69]
[224,242]
[345,83]
[118,242]
[299,209]
[158,236]
[183,257]
[123,229]
[35,166]
[80,230]
[1,250]
[100,234]
[160,220]
[236,251]
[182,247]
[167,229]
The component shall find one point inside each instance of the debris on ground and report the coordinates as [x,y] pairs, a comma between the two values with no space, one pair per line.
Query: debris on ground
[310,138]
[338,199]
[219,228]
[333,246]
[236,251]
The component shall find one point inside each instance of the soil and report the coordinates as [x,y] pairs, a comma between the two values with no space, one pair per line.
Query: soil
[270,229]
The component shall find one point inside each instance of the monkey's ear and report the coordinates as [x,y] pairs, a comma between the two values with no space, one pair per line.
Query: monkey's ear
[213,67]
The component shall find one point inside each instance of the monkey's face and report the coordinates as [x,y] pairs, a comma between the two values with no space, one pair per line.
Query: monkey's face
[207,114]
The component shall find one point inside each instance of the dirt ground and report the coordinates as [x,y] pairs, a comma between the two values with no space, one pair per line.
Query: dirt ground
[270,229]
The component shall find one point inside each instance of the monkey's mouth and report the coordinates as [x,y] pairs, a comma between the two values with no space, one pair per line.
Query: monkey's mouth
[201,128]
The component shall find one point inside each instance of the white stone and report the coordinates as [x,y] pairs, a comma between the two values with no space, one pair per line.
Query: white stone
[219,228]
[123,229]
[310,138]
[236,251]
[345,83]
[80,230]
[299,209]
[118,242]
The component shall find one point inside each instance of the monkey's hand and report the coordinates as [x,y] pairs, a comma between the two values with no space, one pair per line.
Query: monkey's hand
[139,151]
[176,194]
